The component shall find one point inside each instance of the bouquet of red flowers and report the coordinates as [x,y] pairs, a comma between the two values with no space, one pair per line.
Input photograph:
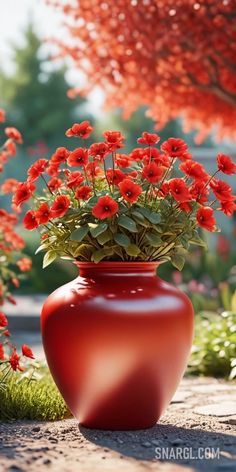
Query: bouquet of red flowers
[99,203]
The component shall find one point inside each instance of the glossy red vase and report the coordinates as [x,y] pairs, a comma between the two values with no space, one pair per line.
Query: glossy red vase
[117,341]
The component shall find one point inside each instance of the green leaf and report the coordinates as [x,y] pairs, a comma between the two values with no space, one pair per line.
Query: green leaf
[127,223]
[122,239]
[104,237]
[178,261]
[49,257]
[153,239]
[80,233]
[150,215]
[197,240]
[133,250]
[140,219]
[98,229]
[42,247]
[97,256]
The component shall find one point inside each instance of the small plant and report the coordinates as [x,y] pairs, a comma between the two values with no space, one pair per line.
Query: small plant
[38,400]
[214,348]
[101,204]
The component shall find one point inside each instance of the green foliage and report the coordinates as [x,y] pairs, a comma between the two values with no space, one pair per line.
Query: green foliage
[37,96]
[214,349]
[34,400]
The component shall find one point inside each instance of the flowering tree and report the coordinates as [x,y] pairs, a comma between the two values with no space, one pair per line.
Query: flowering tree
[175,56]
[12,262]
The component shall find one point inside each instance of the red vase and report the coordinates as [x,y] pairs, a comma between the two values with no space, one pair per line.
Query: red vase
[117,341]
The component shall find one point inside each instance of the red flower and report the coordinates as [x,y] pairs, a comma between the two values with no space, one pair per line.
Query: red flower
[83,193]
[152,172]
[80,130]
[3,320]
[15,361]
[60,206]
[114,139]
[194,169]
[78,157]
[53,169]
[23,192]
[122,160]
[2,355]
[115,176]
[179,190]
[2,115]
[27,352]
[138,154]
[92,170]
[105,208]
[60,155]
[6,333]
[228,207]
[74,179]
[225,164]
[9,186]
[30,221]
[99,150]
[43,214]
[165,189]
[185,206]
[175,147]
[148,138]
[24,264]
[10,147]
[206,219]
[37,169]
[14,134]
[129,190]
[199,192]
[221,189]
[54,184]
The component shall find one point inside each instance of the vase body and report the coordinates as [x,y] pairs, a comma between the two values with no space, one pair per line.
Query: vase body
[117,341]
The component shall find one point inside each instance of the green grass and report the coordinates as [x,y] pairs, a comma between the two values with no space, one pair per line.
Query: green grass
[34,400]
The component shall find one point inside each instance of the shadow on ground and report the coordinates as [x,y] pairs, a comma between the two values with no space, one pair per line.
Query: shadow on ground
[195,448]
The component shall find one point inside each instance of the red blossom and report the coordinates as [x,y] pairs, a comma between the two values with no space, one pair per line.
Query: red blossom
[179,190]
[74,179]
[225,164]
[129,190]
[152,172]
[60,206]
[99,150]
[199,192]
[106,207]
[122,160]
[114,177]
[175,147]
[221,189]
[80,130]
[14,360]
[2,115]
[54,183]
[6,333]
[9,186]
[83,193]
[27,352]
[2,355]
[138,154]
[53,169]
[3,320]
[30,221]
[148,139]
[14,134]
[228,207]
[206,219]
[194,169]
[10,148]
[23,193]
[60,155]
[114,140]
[92,170]
[79,157]
[37,169]
[43,214]
[24,264]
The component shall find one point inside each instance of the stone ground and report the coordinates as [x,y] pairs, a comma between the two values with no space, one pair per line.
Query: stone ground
[199,423]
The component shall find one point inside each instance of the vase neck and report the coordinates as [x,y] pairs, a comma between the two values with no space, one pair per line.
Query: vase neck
[109,269]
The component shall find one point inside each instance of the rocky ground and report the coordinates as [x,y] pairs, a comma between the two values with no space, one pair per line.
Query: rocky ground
[200,423]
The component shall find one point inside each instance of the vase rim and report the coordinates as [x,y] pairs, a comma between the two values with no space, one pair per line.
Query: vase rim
[119,266]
